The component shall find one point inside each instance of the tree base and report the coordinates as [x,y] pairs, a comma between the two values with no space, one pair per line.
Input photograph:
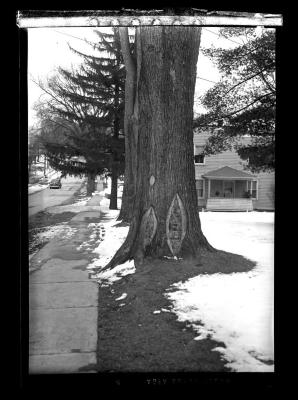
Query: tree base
[131,250]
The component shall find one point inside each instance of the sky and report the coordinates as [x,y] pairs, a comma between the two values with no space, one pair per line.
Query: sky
[48,48]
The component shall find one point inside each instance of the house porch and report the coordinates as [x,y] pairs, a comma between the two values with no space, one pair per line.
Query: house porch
[229,190]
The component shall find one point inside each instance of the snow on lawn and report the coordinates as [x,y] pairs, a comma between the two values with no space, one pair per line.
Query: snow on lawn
[61,229]
[123,296]
[36,188]
[75,208]
[113,239]
[82,205]
[82,201]
[45,234]
[108,277]
[110,215]
[236,309]
[96,236]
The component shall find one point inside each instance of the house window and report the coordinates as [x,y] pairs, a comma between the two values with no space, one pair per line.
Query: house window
[199,156]
[254,190]
[200,188]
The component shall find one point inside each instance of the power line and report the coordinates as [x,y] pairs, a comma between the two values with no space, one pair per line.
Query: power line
[75,37]
[206,79]
[217,34]
[84,40]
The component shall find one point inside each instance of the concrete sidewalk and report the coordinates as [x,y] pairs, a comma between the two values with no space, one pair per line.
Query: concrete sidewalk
[63,302]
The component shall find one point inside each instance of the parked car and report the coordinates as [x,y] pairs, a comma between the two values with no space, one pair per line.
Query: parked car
[55,183]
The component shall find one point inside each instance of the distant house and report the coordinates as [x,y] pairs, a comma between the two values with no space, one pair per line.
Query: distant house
[223,184]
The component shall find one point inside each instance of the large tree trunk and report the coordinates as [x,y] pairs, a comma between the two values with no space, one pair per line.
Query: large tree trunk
[130,128]
[90,184]
[114,187]
[115,155]
[45,165]
[165,218]
[129,185]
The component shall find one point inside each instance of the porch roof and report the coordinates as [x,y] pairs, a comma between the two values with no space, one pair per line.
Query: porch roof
[228,173]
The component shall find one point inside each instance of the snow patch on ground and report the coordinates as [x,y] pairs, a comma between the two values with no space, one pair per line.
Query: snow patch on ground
[122,297]
[106,194]
[237,308]
[112,240]
[45,234]
[39,173]
[61,229]
[82,202]
[161,310]
[75,208]
[111,237]
[96,236]
[36,188]
[108,277]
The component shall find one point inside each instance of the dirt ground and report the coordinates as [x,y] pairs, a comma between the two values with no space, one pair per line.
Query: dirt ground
[131,338]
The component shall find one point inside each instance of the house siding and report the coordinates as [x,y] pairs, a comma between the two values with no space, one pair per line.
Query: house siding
[266,180]
[266,183]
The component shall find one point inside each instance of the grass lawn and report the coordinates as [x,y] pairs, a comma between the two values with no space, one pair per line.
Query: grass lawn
[132,338]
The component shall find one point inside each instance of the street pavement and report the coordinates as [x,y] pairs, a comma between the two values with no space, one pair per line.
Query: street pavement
[63,302]
[45,198]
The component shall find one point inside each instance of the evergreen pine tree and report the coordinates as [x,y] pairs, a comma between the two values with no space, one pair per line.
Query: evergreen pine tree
[103,79]
[90,102]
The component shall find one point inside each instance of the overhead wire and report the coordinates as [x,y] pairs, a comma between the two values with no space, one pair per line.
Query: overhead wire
[199,77]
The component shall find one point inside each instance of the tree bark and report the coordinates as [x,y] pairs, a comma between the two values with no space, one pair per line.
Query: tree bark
[45,165]
[130,127]
[114,187]
[115,155]
[165,218]
[90,184]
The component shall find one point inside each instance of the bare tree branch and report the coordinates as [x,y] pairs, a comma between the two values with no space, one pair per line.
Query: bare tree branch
[247,79]
[237,111]
[67,106]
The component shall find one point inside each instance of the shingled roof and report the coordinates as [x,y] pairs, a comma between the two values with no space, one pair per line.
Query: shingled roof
[227,173]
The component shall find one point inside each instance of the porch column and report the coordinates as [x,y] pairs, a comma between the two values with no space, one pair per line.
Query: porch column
[209,184]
